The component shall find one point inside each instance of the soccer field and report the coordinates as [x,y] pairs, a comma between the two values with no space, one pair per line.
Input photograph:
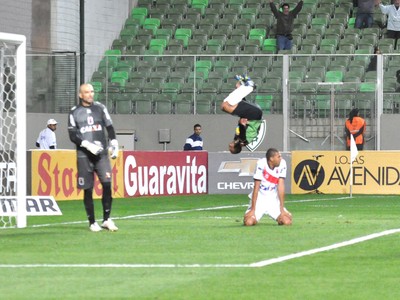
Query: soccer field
[195,247]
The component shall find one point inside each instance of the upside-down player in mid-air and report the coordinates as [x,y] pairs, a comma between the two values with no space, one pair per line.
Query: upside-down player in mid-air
[268,196]
[250,115]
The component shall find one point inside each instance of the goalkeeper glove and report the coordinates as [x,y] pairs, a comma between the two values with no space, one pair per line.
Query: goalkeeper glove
[114,149]
[93,148]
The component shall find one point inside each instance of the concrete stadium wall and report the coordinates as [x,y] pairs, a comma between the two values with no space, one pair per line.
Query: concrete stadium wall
[218,130]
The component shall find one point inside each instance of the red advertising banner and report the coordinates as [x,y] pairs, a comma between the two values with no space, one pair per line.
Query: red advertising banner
[165,173]
[54,173]
[135,173]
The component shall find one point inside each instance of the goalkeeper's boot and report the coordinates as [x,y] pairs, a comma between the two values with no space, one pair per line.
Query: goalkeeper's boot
[110,225]
[95,227]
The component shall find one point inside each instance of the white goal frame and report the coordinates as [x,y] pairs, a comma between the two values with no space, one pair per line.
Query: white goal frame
[20,93]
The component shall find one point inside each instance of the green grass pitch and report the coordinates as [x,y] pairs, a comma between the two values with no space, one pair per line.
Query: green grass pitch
[195,247]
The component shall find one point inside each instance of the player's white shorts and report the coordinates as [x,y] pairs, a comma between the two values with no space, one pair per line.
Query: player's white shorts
[267,204]
[238,94]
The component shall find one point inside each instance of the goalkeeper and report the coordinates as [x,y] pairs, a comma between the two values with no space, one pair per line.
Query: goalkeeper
[250,115]
[87,123]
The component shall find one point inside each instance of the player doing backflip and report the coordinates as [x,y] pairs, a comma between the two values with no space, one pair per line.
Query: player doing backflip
[250,115]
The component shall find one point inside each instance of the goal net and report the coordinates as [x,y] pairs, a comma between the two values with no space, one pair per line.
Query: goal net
[12,130]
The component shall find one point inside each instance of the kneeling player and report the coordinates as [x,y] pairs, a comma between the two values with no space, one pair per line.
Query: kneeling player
[268,196]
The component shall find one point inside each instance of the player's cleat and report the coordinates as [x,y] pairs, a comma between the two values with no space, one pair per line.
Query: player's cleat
[110,225]
[239,78]
[95,227]
[250,83]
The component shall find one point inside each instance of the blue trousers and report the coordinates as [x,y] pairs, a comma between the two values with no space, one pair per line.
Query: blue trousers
[284,43]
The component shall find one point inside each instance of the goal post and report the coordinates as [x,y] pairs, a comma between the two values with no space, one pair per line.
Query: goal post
[13,126]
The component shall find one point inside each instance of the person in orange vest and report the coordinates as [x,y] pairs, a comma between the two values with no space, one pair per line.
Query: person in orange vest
[356,126]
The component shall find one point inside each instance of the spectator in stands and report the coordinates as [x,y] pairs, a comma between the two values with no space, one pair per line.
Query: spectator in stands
[373,63]
[47,137]
[284,24]
[356,126]
[365,14]
[393,22]
[194,142]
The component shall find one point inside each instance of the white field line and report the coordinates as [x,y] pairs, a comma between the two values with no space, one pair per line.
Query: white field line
[184,211]
[272,261]
[263,263]
[252,265]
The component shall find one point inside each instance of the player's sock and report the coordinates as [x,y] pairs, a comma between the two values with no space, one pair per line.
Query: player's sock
[106,200]
[89,207]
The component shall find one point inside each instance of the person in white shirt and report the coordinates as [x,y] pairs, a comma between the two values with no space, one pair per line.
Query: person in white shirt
[268,196]
[393,19]
[47,137]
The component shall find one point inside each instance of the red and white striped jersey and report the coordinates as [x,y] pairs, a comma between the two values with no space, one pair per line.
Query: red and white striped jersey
[269,177]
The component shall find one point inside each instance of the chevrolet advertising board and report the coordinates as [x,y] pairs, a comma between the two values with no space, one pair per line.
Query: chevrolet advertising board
[233,173]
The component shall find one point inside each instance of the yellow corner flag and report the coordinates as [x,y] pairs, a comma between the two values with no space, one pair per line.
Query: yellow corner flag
[353,148]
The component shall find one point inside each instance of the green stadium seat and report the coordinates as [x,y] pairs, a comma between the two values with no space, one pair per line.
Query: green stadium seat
[152,24]
[258,34]
[200,4]
[183,34]
[367,87]
[265,102]
[119,74]
[322,106]
[269,45]
[97,86]
[334,76]
[139,11]
[351,22]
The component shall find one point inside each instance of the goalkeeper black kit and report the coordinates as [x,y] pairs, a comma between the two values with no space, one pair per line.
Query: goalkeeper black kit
[88,125]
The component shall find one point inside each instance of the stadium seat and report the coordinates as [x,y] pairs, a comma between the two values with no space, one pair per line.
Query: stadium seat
[265,103]
[269,45]
[123,103]
[163,103]
[200,4]
[203,104]
[258,34]
[170,87]
[367,87]
[212,86]
[142,11]
[143,103]
[183,104]
[132,24]
[183,34]
[152,24]
[334,76]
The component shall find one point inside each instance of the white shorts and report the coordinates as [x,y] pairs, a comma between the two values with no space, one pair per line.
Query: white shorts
[238,94]
[267,204]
